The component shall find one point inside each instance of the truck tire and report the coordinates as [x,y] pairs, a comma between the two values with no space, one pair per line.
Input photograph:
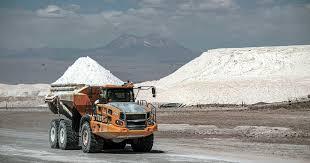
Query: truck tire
[90,143]
[143,144]
[53,133]
[120,145]
[68,139]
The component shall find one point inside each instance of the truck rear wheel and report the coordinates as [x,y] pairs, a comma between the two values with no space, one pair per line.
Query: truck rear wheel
[90,143]
[68,139]
[53,133]
[143,144]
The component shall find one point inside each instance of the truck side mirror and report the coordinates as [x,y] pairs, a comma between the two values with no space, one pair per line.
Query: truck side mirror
[154,91]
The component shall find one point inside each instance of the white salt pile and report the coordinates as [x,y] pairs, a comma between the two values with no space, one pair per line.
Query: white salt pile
[23,90]
[239,75]
[87,71]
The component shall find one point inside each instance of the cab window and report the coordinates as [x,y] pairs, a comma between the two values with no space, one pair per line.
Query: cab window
[120,95]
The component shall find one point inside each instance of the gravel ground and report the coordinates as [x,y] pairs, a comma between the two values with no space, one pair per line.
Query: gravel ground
[205,135]
[278,125]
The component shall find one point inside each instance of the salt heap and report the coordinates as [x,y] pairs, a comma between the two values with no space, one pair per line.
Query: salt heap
[239,75]
[23,90]
[87,71]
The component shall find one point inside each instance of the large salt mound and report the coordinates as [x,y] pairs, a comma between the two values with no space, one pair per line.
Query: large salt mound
[87,71]
[236,75]
[23,90]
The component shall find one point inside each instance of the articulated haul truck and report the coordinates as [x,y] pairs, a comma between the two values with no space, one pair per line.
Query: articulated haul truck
[101,117]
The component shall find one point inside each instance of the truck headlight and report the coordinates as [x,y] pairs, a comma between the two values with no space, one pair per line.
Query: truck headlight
[150,122]
[119,122]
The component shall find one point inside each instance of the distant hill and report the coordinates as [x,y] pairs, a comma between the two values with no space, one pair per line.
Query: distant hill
[125,45]
[152,46]
[137,58]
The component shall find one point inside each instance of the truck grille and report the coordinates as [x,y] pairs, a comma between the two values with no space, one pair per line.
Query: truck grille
[136,121]
[135,116]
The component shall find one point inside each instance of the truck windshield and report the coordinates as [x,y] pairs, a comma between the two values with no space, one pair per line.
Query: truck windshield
[120,95]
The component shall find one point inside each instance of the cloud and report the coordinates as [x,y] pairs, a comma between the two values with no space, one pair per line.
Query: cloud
[112,14]
[54,11]
[208,5]
[73,7]
[197,24]
[152,3]
[265,2]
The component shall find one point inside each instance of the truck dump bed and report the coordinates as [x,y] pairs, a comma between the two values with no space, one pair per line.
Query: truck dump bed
[67,98]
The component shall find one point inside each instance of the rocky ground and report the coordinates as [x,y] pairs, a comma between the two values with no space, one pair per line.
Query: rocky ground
[274,125]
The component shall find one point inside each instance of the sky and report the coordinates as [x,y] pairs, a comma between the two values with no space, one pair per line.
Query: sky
[196,24]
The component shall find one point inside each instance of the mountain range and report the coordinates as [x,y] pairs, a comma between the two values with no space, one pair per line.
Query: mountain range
[130,57]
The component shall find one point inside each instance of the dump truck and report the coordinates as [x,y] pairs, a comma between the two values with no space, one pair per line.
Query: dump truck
[94,118]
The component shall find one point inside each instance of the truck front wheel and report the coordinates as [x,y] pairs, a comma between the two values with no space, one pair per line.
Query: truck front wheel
[143,144]
[90,143]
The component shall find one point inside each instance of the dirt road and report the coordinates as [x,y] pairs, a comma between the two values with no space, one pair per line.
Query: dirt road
[24,138]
